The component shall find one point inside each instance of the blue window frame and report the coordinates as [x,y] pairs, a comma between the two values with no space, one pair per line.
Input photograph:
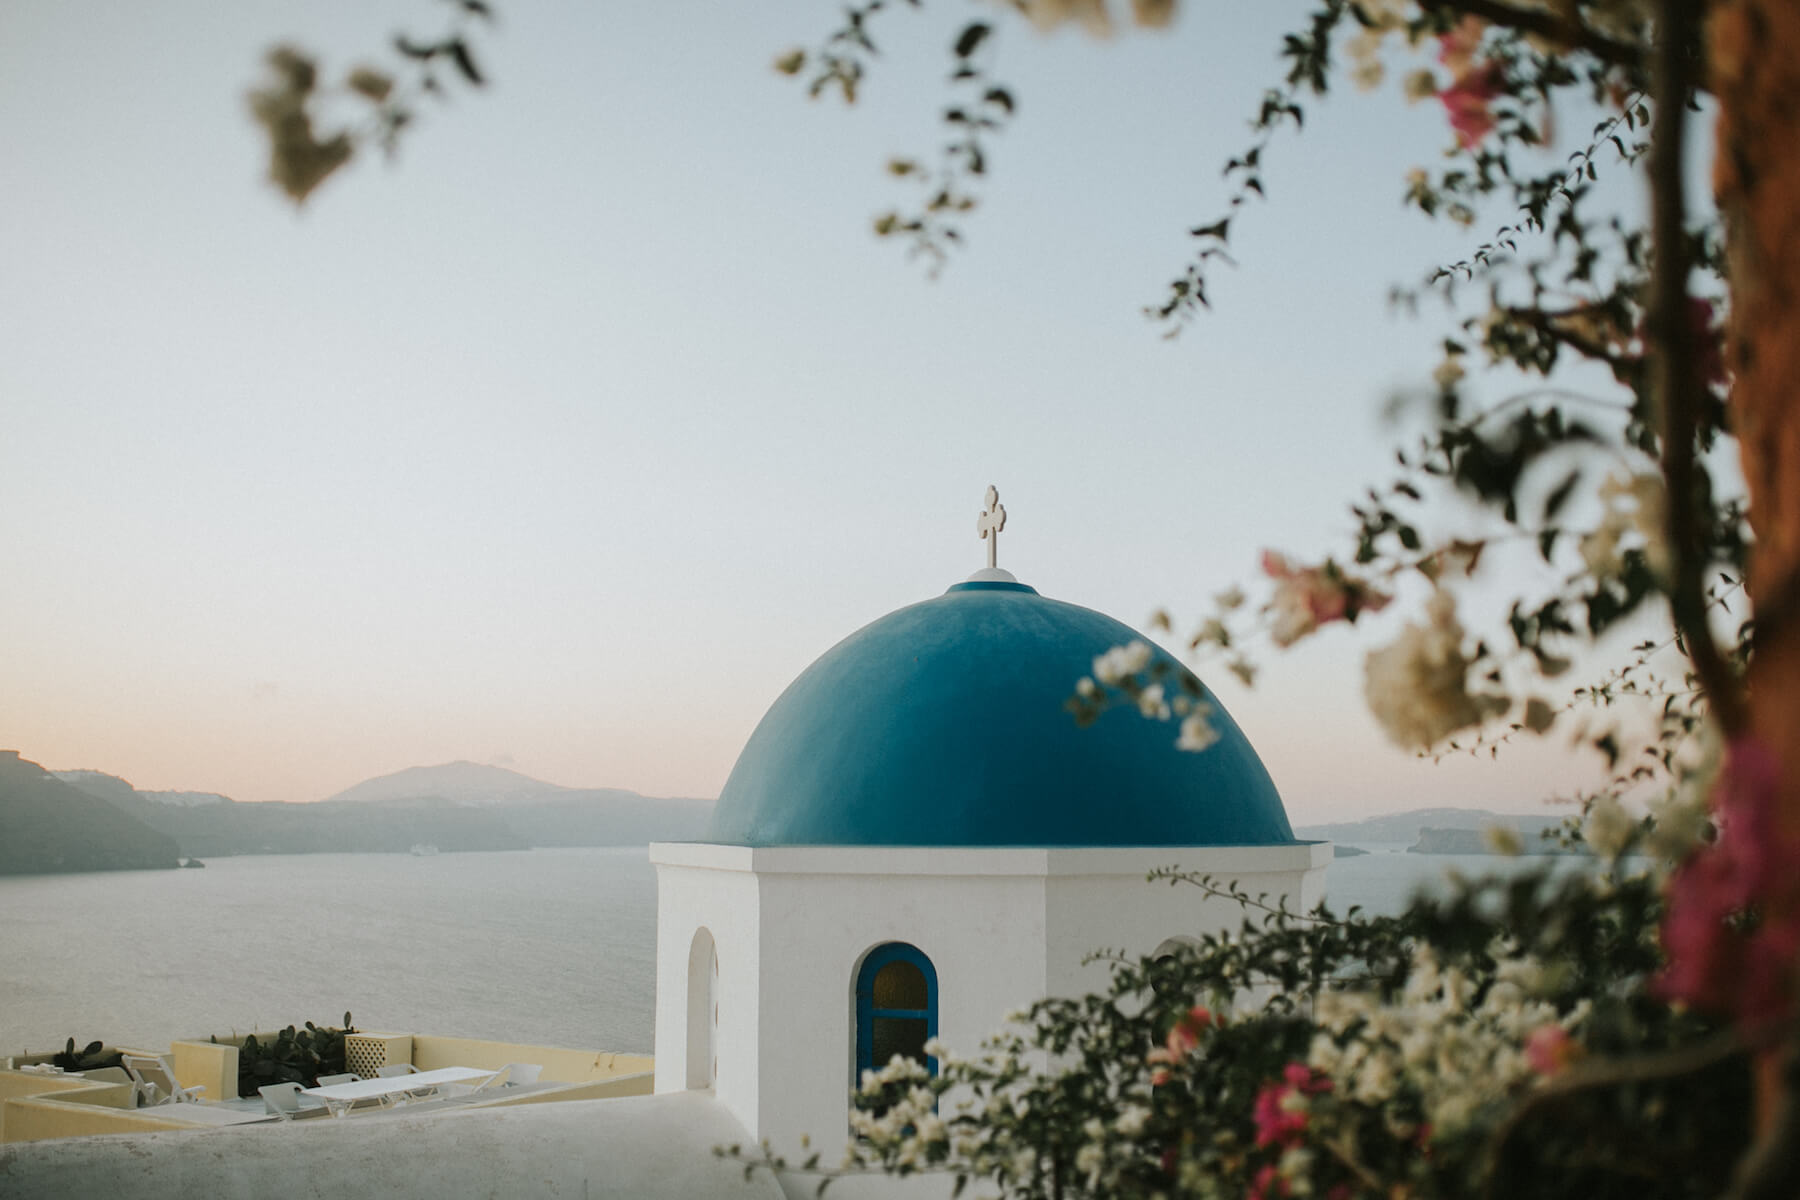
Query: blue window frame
[896,1007]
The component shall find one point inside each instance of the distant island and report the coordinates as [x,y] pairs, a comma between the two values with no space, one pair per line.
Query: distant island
[1475,841]
[1441,831]
[87,820]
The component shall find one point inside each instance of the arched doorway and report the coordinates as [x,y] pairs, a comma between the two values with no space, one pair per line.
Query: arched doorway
[702,1011]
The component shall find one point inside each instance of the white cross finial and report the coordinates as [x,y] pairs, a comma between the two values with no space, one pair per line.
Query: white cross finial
[989,524]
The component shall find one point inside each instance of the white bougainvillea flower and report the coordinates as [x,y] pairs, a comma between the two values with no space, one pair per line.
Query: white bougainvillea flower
[1093,15]
[1417,687]
[1151,703]
[1449,373]
[1197,733]
[1634,512]
[1503,839]
[1608,826]
[1122,662]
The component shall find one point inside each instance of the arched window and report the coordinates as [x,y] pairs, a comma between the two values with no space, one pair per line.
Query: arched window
[896,1007]
[702,1011]
[1165,976]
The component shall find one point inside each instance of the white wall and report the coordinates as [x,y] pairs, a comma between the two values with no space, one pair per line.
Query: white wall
[1003,928]
[695,891]
[1100,900]
[984,935]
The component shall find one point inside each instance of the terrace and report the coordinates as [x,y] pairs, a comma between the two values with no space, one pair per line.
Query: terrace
[39,1101]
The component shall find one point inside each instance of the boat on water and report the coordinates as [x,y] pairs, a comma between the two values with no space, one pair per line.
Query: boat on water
[423,850]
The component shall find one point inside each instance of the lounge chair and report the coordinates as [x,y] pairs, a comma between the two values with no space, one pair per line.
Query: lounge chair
[517,1073]
[353,1077]
[155,1081]
[393,1070]
[459,1091]
[284,1100]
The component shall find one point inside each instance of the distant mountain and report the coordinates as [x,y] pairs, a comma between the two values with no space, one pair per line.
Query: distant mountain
[47,825]
[544,814]
[456,806]
[115,790]
[1406,826]
[457,782]
[110,788]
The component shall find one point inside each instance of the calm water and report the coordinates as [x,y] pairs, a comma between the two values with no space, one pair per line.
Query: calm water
[544,946]
[551,947]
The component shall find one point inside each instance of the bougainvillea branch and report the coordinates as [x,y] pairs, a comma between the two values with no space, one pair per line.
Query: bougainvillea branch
[1676,375]
[1559,24]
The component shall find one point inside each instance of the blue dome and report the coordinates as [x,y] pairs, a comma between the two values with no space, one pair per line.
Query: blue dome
[943,724]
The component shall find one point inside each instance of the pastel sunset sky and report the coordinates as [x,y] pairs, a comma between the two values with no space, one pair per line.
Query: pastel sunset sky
[565,440]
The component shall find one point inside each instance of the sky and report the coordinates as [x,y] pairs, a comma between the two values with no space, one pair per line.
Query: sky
[567,438]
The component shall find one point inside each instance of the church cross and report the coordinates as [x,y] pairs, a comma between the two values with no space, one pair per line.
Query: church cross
[991,522]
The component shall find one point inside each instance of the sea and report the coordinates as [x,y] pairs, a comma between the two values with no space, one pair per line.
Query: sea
[547,947]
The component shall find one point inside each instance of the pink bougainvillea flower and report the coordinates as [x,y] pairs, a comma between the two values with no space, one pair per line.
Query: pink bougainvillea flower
[1308,597]
[1474,83]
[1183,1040]
[1731,926]
[1280,1110]
[1549,1049]
[1267,1184]
[1699,947]
[1709,347]
[1304,1079]
[1466,102]
[1185,1036]
[1708,341]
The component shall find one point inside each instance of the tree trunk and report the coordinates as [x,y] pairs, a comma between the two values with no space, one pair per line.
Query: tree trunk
[1754,70]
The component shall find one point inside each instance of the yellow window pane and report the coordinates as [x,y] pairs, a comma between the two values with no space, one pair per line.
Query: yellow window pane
[901,985]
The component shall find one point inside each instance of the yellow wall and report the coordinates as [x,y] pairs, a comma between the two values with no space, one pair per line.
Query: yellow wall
[14,1084]
[35,1118]
[214,1068]
[47,1106]
[560,1066]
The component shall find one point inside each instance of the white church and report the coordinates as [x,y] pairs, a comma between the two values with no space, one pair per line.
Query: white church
[916,840]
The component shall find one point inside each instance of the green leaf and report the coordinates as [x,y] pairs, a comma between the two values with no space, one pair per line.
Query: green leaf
[1559,495]
[971,38]
[465,62]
